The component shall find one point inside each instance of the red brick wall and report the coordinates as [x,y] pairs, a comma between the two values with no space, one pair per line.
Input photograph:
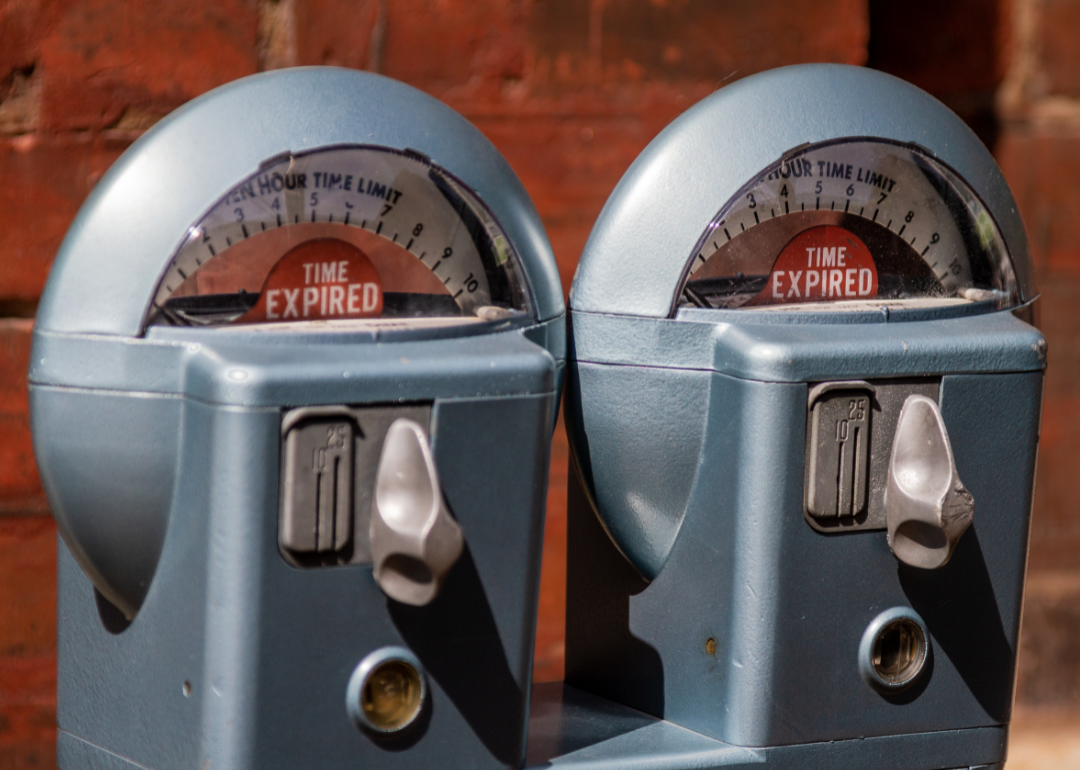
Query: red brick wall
[570,91]
[1039,149]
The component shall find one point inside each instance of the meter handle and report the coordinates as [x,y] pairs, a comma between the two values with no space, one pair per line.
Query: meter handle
[927,508]
[414,540]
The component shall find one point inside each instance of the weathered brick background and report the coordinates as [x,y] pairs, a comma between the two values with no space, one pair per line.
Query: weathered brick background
[570,91]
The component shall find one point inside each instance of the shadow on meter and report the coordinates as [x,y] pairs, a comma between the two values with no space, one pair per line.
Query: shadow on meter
[457,640]
[958,604]
[606,654]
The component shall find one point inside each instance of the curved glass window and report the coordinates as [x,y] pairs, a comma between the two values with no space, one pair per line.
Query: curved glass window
[838,225]
[344,234]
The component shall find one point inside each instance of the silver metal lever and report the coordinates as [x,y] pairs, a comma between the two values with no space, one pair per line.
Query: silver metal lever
[414,540]
[927,508]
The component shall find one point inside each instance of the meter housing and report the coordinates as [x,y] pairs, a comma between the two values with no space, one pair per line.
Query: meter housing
[293,383]
[803,401]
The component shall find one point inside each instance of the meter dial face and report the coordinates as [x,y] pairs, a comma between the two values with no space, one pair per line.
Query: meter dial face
[840,225]
[342,235]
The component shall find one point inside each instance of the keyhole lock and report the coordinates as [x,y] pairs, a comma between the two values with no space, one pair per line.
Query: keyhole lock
[387,691]
[894,650]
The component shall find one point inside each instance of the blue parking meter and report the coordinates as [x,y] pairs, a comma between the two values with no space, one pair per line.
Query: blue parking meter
[803,401]
[293,385]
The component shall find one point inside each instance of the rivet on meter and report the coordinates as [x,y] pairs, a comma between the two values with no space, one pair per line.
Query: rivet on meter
[894,650]
[386,692]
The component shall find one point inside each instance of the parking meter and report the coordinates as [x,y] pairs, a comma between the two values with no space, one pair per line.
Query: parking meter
[804,404]
[293,385]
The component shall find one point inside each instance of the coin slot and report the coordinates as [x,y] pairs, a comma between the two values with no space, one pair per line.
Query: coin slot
[316,515]
[839,450]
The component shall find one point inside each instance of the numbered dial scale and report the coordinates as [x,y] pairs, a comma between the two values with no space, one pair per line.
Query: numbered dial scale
[838,225]
[344,234]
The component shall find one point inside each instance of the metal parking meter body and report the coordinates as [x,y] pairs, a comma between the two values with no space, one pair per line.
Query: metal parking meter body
[804,413]
[293,385]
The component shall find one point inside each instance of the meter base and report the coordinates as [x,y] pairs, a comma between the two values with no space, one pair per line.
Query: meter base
[570,729]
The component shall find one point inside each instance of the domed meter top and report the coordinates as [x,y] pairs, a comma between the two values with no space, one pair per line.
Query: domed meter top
[406,180]
[293,385]
[899,178]
[803,405]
